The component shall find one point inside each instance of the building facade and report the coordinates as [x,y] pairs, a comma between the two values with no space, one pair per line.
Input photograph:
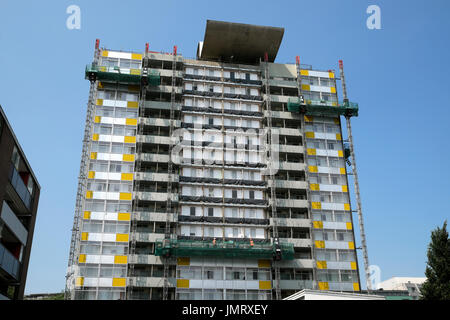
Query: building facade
[220,177]
[19,197]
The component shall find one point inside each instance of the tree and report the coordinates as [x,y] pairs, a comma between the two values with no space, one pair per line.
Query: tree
[437,285]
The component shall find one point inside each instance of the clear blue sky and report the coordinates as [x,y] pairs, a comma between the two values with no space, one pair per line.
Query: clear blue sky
[399,75]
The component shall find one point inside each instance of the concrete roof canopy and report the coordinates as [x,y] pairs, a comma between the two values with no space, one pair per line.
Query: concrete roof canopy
[239,43]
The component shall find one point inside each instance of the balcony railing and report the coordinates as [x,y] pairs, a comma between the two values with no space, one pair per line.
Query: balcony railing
[8,262]
[20,187]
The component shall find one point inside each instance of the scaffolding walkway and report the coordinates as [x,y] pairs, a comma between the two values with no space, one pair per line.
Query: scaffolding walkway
[117,74]
[323,108]
[224,249]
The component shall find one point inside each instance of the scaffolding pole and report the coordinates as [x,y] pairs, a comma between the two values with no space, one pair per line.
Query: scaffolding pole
[308,192]
[356,182]
[82,177]
[137,169]
[167,232]
[270,163]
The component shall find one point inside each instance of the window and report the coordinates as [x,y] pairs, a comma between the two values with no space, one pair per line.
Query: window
[252,194]
[234,195]
[192,209]
[330,146]
[211,73]
[247,76]
[210,212]
[232,75]
[209,274]
[235,232]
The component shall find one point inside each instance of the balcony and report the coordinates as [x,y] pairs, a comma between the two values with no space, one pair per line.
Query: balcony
[20,187]
[9,263]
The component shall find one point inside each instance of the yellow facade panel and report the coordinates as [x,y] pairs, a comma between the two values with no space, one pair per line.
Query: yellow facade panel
[324,286]
[265,285]
[333,89]
[91,175]
[349,226]
[306,87]
[336,120]
[304,72]
[183,261]
[263,263]
[321,264]
[318,224]
[134,88]
[316,205]
[351,245]
[128,157]
[129,139]
[97,119]
[125,196]
[84,236]
[79,282]
[340,153]
[314,186]
[356,286]
[309,135]
[95,137]
[119,282]
[342,170]
[136,56]
[346,206]
[122,237]
[353,265]
[87,215]
[338,136]
[135,71]
[120,259]
[311,152]
[89,194]
[82,258]
[131,122]
[132,104]
[344,188]
[182,283]
[127,176]
[93,155]
[124,216]
[99,102]
[320,244]
[104,53]
[331,75]
[309,118]
[312,168]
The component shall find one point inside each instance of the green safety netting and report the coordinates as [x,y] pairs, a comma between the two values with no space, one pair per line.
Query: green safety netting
[228,249]
[323,108]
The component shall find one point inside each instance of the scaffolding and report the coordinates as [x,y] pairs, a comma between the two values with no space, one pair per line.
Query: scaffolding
[323,108]
[356,182]
[169,211]
[269,156]
[140,132]
[82,177]
[224,249]
[123,75]
[308,192]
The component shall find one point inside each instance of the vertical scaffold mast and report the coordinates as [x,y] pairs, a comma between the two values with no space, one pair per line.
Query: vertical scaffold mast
[355,179]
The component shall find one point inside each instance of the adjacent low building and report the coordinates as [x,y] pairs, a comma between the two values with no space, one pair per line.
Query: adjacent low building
[19,197]
[331,295]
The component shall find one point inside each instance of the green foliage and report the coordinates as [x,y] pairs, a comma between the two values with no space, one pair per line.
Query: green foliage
[437,285]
